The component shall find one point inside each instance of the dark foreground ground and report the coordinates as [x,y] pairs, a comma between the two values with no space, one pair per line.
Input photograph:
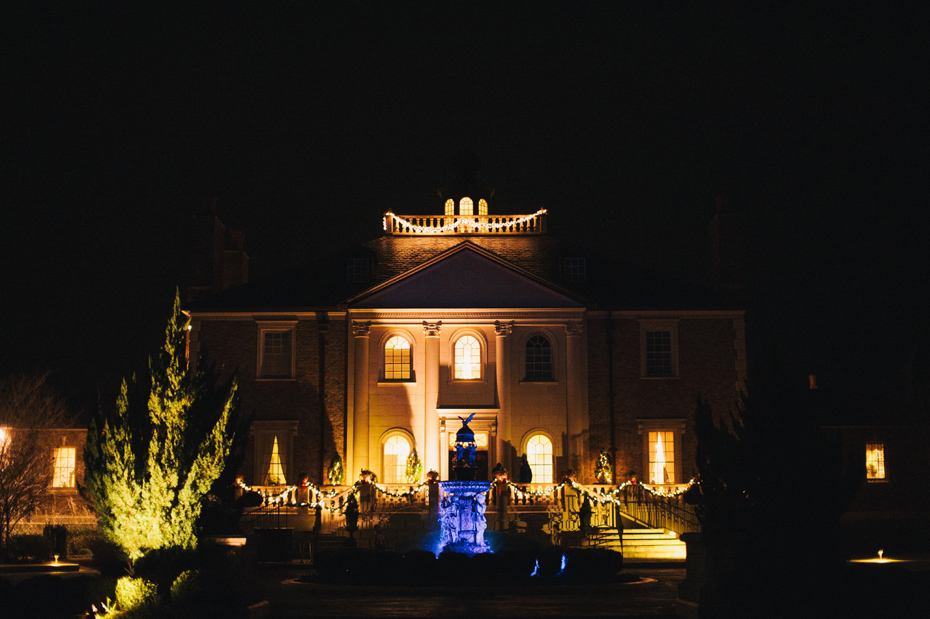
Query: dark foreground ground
[654,596]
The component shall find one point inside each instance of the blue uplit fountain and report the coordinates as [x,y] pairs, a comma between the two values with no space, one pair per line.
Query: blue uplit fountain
[463,501]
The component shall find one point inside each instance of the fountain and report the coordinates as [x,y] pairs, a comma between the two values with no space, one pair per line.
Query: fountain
[463,501]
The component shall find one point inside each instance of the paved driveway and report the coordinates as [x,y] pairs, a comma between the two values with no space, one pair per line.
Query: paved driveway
[647,599]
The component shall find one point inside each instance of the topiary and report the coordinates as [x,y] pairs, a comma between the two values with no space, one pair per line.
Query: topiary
[187,585]
[135,592]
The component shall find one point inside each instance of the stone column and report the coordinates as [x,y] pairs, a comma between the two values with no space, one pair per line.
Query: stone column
[502,364]
[433,453]
[574,405]
[360,420]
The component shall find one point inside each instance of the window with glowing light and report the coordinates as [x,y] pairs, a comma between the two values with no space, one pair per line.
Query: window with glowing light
[450,207]
[482,207]
[538,359]
[63,476]
[875,461]
[467,358]
[574,269]
[466,206]
[275,475]
[396,450]
[539,455]
[277,353]
[661,458]
[397,359]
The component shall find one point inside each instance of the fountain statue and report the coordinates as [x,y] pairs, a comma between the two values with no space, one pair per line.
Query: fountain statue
[463,500]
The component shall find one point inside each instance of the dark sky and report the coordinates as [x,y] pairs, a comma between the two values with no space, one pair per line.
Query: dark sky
[308,121]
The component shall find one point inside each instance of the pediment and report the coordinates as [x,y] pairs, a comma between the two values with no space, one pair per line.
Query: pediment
[465,277]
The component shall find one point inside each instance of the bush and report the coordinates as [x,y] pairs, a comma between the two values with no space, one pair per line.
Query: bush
[186,586]
[135,592]
[82,538]
[56,538]
[30,548]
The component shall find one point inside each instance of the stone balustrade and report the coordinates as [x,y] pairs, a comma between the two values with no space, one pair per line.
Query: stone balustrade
[421,225]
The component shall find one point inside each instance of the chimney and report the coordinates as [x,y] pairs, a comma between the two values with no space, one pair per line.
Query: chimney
[727,249]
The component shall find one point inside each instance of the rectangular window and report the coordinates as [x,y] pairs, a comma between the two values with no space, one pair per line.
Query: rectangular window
[875,461]
[64,463]
[659,353]
[661,458]
[276,354]
[357,270]
[573,269]
[659,348]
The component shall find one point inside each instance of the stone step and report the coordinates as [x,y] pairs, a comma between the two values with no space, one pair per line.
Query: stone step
[632,543]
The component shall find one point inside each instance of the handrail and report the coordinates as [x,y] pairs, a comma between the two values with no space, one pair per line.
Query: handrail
[669,512]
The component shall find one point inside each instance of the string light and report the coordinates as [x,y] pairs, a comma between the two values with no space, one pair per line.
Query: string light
[459,222]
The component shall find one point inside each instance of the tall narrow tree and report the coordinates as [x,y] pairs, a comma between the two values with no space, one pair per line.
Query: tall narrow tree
[151,460]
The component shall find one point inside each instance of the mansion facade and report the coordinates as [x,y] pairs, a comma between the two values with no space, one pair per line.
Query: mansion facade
[559,353]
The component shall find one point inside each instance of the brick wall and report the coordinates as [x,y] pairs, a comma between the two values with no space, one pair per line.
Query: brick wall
[707,365]
[234,344]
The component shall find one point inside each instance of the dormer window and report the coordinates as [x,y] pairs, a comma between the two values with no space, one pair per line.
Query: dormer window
[466,207]
[450,207]
[357,270]
[573,270]
[483,207]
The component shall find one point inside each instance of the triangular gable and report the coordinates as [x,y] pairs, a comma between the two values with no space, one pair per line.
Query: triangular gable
[466,276]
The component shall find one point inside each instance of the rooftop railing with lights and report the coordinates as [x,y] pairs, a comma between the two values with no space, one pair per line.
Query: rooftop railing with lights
[422,225]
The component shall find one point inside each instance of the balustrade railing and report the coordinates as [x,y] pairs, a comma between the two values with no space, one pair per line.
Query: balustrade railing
[419,225]
[563,504]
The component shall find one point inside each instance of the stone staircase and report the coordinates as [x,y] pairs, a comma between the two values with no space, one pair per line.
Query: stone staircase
[640,544]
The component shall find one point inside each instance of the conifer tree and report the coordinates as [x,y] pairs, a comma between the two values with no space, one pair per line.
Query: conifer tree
[151,461]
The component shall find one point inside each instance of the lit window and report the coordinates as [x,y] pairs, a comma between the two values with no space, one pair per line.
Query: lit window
[396,450]
[275,474]
[357,270]
[482,207]
[573,269]
[661,457]
[539,455]
[397,359]
[277,359]
[875,461]
[659,353]
[466,206]
[64,468]
[467,359]
[538,359]
[450,207]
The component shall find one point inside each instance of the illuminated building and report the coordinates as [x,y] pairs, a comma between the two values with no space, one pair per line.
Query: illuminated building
[557,351]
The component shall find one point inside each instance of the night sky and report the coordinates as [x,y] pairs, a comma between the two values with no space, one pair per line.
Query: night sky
[308,120]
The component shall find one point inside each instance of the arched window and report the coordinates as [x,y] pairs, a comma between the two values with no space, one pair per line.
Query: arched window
[397,359]
[482,207]
[396,450]
[467,358]
[539,455]
[538,359]
[466,206]
[450,207]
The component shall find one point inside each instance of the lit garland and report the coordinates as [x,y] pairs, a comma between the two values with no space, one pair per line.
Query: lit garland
[459,222]
[610,497]
[281,497]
